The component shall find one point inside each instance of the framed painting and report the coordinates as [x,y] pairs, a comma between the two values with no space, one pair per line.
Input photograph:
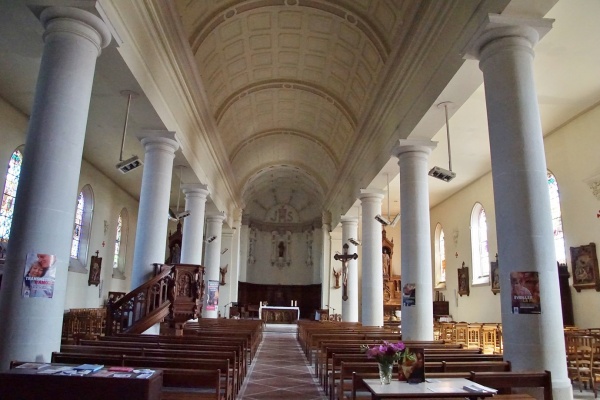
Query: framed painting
[95,270]
[495,276]
[585,267]
[463,280]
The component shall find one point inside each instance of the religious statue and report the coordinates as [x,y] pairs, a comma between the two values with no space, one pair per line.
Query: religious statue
[337,275]
[386,262]
[223,272]
[345,259]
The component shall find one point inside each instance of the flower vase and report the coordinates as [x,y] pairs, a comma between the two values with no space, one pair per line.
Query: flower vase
[385,373]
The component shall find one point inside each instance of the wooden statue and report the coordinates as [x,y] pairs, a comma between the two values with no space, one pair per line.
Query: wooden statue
[345,259]
[337,275]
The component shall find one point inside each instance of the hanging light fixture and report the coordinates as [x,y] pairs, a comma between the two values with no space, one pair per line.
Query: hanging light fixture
[131,163]
[438,172]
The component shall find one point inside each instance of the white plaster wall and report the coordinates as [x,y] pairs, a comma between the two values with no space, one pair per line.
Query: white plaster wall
[298,273]
[454,215]
[572,155]
[109,200]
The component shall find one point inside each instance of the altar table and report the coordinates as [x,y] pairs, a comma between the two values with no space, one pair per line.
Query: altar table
[430,389]
[282,315]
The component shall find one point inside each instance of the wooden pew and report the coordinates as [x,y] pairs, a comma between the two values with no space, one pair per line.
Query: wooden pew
[186,384]
[161,353]
[148,362]
[504,382]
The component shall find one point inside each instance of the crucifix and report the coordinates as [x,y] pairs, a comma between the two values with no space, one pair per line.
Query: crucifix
[345,259]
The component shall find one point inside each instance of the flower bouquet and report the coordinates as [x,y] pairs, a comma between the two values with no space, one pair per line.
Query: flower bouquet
[386,355]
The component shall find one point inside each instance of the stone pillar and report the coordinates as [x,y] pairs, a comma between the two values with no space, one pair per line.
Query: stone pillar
[326,260]
[350,306]
[48,187]
[415,237]
[225,291]
[212,256]
[193,224]
[243,249]
[234,255]
[523,216]
[153,214]
[372,264]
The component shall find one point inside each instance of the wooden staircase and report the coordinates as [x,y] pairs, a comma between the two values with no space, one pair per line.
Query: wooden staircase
[174,294]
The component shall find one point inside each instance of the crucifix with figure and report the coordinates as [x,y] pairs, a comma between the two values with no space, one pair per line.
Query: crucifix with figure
[345,259]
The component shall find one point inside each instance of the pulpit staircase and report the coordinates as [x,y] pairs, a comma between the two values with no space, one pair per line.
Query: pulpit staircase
[174,294]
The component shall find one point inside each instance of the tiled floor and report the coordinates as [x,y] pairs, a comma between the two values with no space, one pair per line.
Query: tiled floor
[280,370]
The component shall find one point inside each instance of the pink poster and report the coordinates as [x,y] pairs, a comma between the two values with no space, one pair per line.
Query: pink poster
[213,295]
[39,275]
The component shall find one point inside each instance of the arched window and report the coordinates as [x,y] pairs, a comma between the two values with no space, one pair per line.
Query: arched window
[120,254]
[479,246]
[82,228]
[559,238]
[440,257]
[10,192]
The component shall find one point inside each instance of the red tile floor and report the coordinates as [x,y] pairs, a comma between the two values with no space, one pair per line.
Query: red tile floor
[280,369]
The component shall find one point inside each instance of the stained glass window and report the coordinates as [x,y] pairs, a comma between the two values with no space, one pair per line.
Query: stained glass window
[559,239]
[484,255]
[77,229]
[480,255]
[9,194]
[442,257]
[118,242]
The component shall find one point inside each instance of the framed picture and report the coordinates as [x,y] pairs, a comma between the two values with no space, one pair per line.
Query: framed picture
[495,276]
[585,267]
[463,280]
[95,270]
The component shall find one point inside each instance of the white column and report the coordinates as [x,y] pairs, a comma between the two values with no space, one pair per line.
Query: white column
[153,214]
[234,253]
[48,186]
[243,249]
[225,291]
[193,224]
[415,237]
[350,306]
[326,259]
[523,216]
[212,256]
[372,265]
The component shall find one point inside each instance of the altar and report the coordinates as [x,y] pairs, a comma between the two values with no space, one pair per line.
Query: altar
[281,315]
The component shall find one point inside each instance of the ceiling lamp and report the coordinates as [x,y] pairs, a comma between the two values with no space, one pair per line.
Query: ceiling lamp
[131,163]
[438,172]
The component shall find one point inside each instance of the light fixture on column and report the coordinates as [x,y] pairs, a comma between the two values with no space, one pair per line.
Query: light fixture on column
[211,239]
[176,216]
[225,250]
[438,172]
[132,163]
[354,241]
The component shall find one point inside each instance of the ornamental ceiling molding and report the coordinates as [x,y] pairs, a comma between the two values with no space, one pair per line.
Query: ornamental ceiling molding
[291,85]
[352,17]
[291,132]
[317,185]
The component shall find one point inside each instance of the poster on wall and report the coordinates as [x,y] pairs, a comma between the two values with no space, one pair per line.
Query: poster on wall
[408,294]
[525,292]
[213,295]
[39,275]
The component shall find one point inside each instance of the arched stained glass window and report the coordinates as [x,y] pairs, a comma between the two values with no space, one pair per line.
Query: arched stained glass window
[82,228]
[559,238]
[77,228]
[479,245]
[442,256]
[10,192]
[120,254]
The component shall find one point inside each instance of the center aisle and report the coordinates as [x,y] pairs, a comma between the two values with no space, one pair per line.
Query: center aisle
[279,369]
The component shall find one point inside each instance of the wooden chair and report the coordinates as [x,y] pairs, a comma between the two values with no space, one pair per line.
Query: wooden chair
[579,363]
[488,338]
[460,333]
[474,336]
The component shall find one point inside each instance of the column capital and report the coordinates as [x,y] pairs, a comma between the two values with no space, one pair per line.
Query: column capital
[425,146]
[371,194]
[78,22]
[497,26]
[349,220]
[216,217]
[195,190]
[152,139]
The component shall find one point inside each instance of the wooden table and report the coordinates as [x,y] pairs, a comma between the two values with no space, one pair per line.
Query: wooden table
[273,314]
[28,384]
[434,389]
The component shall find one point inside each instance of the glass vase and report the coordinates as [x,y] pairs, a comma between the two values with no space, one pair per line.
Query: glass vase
[385,373]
